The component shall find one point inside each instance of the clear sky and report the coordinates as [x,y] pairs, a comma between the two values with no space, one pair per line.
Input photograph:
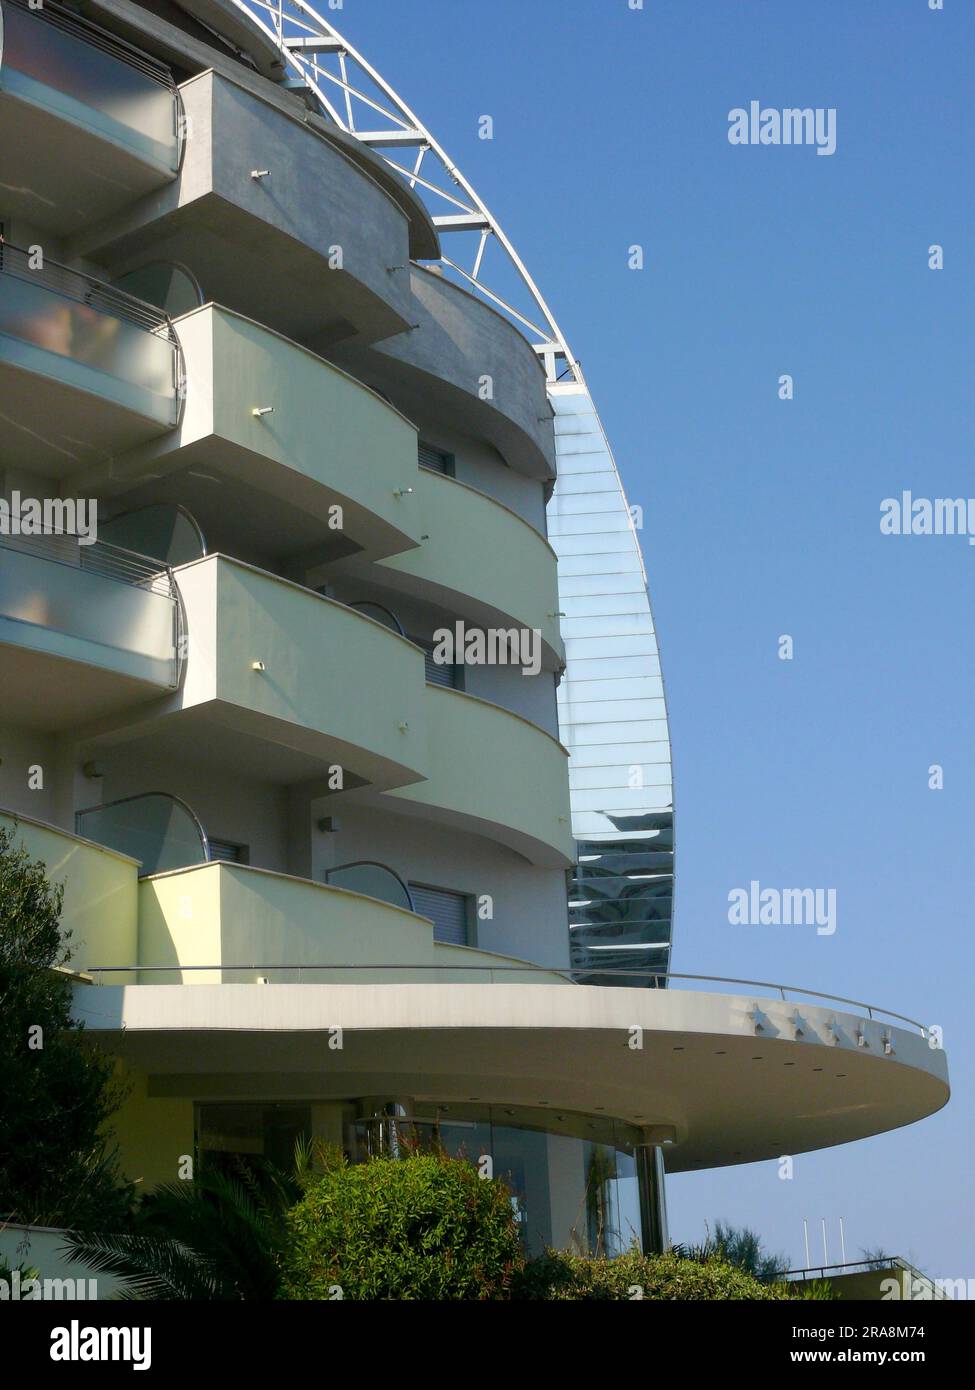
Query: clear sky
[762,515]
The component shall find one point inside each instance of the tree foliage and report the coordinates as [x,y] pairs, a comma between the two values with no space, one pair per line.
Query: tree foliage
[220,1237]
[56,1090]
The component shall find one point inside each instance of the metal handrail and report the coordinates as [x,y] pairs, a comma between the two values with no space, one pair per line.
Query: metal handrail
[361,604]
[100,557]
[879,1264]
[97,37]
[566,972]
[86,289]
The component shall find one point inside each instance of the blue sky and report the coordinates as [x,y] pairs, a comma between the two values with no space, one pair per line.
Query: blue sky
[762,515]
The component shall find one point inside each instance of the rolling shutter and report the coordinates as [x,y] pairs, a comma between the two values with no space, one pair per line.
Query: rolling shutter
[447,910]
[228,852]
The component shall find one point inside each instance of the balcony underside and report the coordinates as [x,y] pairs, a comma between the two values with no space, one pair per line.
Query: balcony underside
[73,683]
[63,175]
[235,493]
[58,416]
[222,737]
[271,277]
[703,1080]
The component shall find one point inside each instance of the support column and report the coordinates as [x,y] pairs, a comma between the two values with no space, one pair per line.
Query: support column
[653,1198]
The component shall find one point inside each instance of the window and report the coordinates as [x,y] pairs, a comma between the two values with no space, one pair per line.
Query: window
[228,851]
[450,912]
[227,1135]
[435,459]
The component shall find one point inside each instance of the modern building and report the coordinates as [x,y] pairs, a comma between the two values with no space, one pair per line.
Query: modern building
[322,874]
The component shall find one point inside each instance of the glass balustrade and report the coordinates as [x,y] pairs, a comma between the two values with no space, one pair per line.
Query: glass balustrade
[61,63]
[158,829]
[64,324]
[170,286]
[165,531]
[373,880]
[123,607]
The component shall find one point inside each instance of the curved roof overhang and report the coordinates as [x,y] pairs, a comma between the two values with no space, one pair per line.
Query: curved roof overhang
[716,1079]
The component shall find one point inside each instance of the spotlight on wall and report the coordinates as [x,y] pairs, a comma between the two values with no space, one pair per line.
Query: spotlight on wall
[403,492]
[260,173]
[260,411]
[258,666]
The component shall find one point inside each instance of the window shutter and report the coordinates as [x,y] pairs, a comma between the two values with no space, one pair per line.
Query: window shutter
[447,910]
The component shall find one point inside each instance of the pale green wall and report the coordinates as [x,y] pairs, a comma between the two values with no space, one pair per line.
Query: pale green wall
[491,766]
[153,1134]
[478,548]
[100,894]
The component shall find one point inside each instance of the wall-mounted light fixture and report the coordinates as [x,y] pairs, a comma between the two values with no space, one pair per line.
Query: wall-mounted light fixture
[260,173]
[258,666]
[261,410]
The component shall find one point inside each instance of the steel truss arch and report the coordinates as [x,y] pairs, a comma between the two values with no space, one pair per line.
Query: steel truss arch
[320,60]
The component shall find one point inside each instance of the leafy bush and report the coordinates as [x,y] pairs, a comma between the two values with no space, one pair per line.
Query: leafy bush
[425,1227]
[672,1276]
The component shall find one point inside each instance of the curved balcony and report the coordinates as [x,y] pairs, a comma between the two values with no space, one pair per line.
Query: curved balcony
[232,924]
[495,773]
[279,675]
[483,561]
[85,369]
[458,347]
[323,441]
[285,685]
[88,122]
[316,240]
[93,626]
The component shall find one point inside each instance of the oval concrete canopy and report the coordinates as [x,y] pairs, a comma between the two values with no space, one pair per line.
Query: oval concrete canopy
[718,1079]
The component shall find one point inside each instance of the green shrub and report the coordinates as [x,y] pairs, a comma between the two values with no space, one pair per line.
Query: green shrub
[672,1276]
[425,1227]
